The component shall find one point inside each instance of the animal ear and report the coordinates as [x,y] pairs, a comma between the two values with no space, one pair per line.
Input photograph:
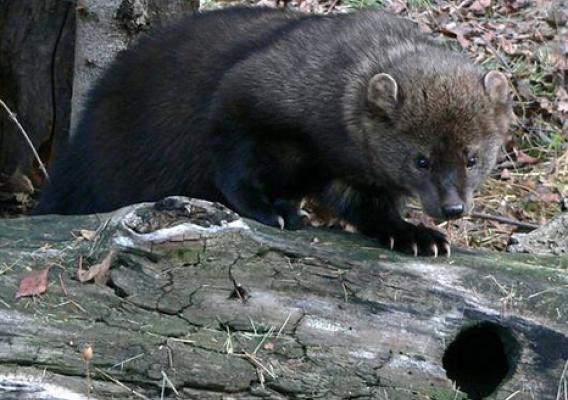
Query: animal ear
[382,92]
[499,92]
[497,88]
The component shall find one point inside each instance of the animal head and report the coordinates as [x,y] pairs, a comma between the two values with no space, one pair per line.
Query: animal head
[437,134]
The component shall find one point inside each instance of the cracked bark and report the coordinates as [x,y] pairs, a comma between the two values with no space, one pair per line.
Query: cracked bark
[336,318]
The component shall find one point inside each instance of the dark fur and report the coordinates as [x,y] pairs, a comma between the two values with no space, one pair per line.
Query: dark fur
[258,108]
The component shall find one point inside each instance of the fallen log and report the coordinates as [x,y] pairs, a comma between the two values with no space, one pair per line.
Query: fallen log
[201,304]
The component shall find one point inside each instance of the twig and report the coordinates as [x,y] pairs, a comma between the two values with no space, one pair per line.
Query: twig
[257,363]
[562,383]
[464,3]
[122,385]
[63,286]
[270,331]
[98,234]
[167,380]
[69,299]
[512,395]
[121,364]
[283,325]
[36,155]
[555,289]
[346,296]
[505,220]
[5,304]
[498,56]
[332,6]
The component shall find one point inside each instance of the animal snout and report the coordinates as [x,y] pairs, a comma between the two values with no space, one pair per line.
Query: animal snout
[453,210]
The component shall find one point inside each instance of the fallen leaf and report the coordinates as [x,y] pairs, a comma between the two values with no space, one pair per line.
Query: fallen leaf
[33,284]
[551,197]
[561,93]
[397,8]
[464,43]
[454,30]
[488,37]
[87,234]
[524,158]
[546,105]
[507,46]
[268,346]
[98,272]
[505,174]
[479,6]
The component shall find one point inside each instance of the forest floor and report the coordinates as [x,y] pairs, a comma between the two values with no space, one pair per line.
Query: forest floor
[525,39]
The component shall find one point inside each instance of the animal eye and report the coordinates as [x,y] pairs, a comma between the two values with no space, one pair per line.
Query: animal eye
[422,162]
[471,162]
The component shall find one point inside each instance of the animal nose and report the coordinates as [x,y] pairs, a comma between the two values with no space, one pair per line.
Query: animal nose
[452,210]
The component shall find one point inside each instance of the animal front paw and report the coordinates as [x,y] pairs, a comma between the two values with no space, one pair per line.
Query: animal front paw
[293,217]
[416,240]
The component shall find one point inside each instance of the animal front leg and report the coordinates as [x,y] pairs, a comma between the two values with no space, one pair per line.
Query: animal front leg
[376,214]
[244,194]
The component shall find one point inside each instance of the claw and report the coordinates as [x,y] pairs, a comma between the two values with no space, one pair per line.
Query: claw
[434,249]
[281,222]
[415,249]
[350,228]
[447,249]
[391,242]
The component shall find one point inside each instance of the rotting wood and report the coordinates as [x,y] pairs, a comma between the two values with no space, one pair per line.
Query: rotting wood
[328,314]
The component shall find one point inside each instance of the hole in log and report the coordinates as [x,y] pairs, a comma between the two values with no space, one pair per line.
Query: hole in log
[480,358]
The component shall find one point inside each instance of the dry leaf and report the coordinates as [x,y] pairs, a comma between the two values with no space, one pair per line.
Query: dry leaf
[87,234]
[268,346]
[525,159]
[454,30]
[33,284]
[507,46]
[479,6]
[98,272]
[505,174]
[550,197]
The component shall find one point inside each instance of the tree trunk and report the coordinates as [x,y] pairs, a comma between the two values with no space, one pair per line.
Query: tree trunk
[51,53]
[106,27]
[218,307]
[36,70]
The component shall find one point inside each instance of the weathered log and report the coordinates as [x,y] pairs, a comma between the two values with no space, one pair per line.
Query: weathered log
[551,238]
[213,305]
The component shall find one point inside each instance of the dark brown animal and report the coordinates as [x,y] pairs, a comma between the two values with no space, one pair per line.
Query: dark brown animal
[258,108]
